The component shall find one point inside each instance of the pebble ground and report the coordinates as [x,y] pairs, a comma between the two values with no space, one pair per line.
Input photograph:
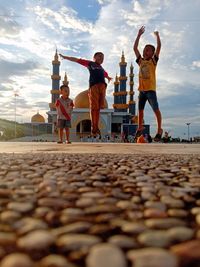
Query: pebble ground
[99,210]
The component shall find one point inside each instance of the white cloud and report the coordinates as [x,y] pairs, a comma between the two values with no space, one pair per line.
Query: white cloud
[103,2]
[64,18]
[196,64]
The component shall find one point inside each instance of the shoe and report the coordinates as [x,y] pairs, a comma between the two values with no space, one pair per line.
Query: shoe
[138,134]
[158,136]
[98,132]
[68,142]
[60,142]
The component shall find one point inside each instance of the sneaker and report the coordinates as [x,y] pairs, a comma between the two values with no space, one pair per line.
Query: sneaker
[138,134]
[60,142]
[158,136]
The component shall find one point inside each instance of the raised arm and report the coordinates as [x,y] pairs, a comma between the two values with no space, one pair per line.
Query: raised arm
[107,76]
[158,44]
[135,46]
[74,59]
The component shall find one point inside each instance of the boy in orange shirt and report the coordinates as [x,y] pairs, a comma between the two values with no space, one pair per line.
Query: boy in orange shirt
[97,86]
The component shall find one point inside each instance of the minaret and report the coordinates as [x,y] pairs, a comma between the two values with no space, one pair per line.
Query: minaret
[131,92]
[122,106]
[65,81]
[116,93]
[55,82]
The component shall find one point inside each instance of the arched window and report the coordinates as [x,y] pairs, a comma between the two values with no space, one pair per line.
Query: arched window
[84,127]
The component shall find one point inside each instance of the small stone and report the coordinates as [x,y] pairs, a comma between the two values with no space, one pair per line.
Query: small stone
[164,223]
[187,251]
[133,227]
[36,240]
[77,227]
[177,213]
[180,234]
[7,239]
[9,216]
[154,213]
[55,260]
[77,241]
[172,202]
[123,241]
[152,257]
[155,238]
[195,210]
[17,260]
[106,255]
[22,207]
[198,219]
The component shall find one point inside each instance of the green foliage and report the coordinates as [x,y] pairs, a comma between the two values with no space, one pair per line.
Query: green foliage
[8,130]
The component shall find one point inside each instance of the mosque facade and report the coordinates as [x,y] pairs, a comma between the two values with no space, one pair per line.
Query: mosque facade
[121,119]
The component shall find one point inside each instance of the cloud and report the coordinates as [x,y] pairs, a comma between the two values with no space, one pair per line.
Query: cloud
[104,2]
[196,64]
[64,18]
[9,28]
[10,69]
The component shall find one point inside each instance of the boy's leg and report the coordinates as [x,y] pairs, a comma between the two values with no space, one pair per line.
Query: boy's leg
[141,104]
[159,133]
[140,119]
[94,100]
[159,121]
[152,98]
[60,126]
[67,135]
[94,116]
[60,134]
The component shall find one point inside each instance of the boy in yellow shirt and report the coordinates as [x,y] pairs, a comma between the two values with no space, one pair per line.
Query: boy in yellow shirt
[147,82]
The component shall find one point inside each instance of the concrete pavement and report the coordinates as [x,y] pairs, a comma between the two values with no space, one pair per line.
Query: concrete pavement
[110,148]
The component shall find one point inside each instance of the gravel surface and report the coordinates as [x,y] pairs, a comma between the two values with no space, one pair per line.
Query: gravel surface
[99,210]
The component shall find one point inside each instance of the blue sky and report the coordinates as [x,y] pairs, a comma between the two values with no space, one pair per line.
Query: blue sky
[30,31]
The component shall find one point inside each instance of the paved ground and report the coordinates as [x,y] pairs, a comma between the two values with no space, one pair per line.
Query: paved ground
[104,205]
[110,148]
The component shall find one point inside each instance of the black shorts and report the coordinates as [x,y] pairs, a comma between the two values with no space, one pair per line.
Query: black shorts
[151,97]
[61,124]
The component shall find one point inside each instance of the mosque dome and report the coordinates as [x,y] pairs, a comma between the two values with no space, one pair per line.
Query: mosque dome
[37,118]
[82,100]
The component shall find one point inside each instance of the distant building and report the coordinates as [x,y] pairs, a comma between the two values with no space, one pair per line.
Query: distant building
[38,126]
[121,119]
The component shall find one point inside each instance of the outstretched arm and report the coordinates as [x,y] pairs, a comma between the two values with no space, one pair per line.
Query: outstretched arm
[158,44]
[135,47]
[107,76]
[74,59]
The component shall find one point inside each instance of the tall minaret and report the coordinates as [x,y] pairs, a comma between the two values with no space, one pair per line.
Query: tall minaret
[55,82]
[131,92]
[122,106]
[116,93]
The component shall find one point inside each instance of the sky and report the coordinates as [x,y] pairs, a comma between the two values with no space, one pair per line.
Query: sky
[31,30]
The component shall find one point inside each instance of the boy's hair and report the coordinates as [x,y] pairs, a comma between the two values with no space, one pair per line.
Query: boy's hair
[63,86]
[152,47]
[97,53]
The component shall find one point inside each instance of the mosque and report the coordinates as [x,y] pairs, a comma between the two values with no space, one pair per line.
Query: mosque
[121,119]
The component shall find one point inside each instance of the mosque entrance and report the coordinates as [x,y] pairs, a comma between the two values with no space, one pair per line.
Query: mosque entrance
[116,128]
[84,127]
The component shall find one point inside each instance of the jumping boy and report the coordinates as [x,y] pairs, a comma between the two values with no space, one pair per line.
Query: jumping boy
[147,82]
[97,86]
[64,106]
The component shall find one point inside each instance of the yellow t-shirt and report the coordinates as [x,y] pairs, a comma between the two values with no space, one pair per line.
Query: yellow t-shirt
[147,74]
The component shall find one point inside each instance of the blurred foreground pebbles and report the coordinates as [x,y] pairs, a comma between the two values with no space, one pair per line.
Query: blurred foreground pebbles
[61,210]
